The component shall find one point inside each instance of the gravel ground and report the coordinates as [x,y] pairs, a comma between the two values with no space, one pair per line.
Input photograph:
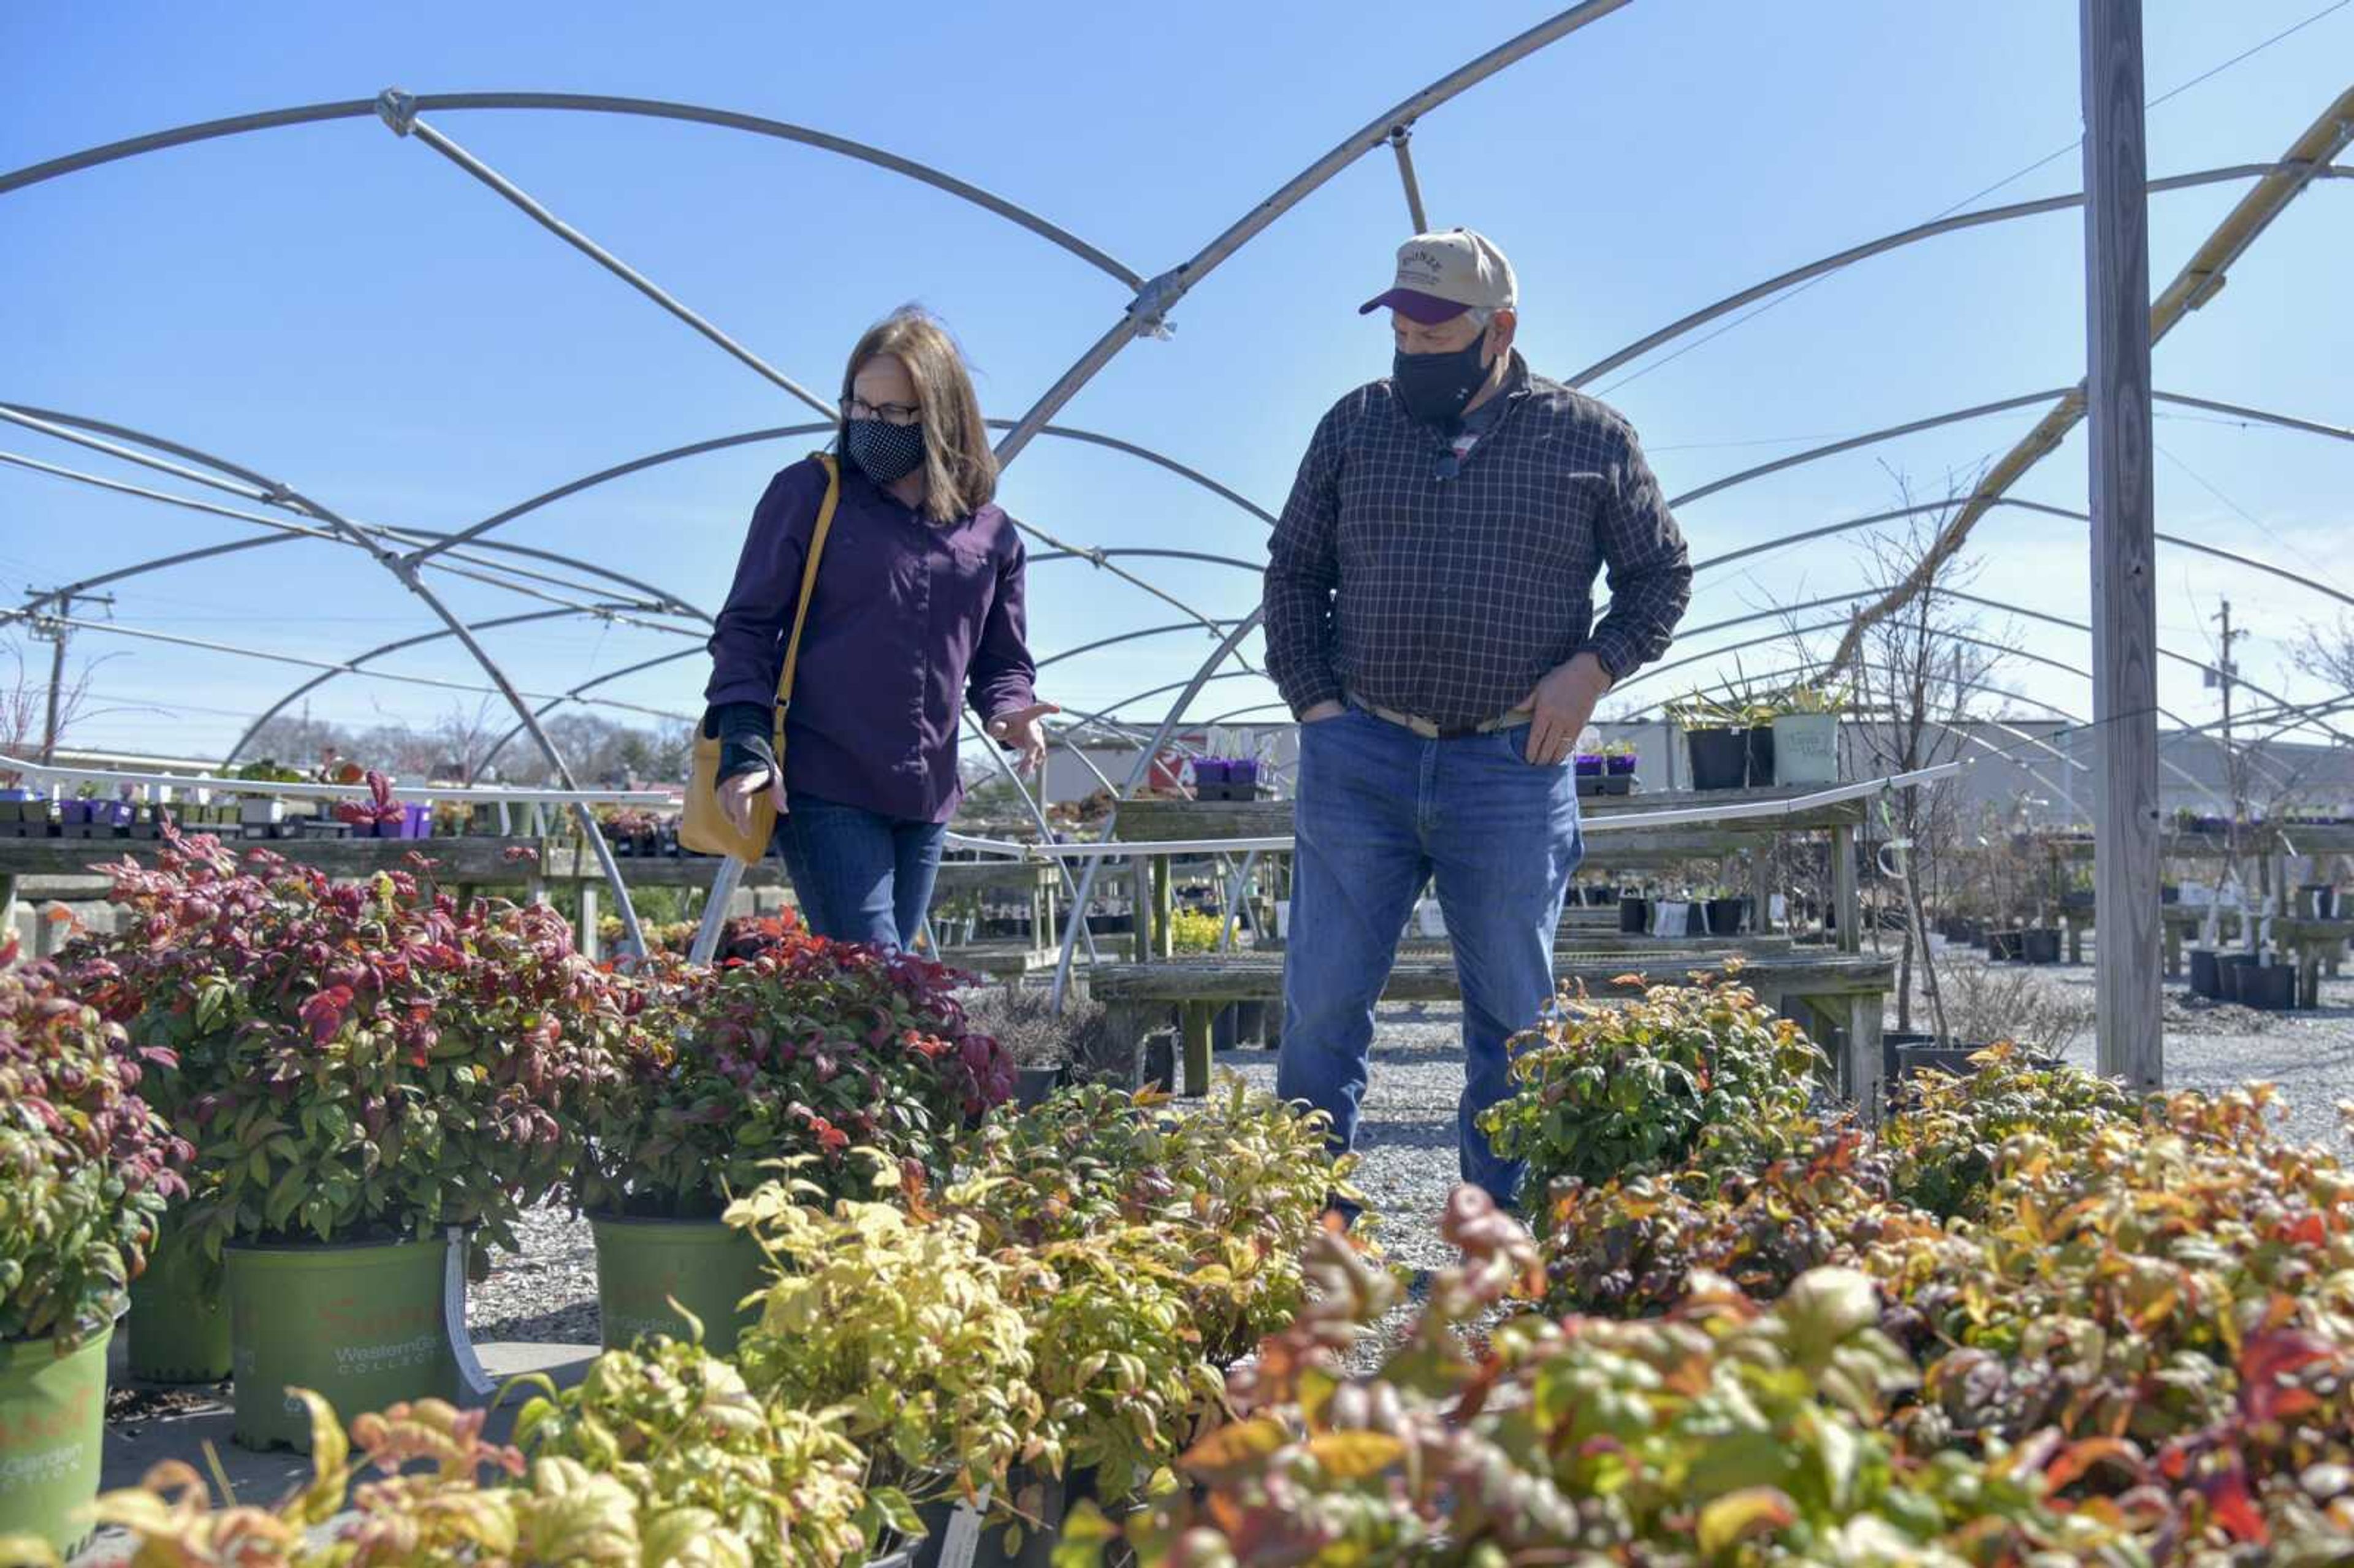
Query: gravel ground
[549,1292]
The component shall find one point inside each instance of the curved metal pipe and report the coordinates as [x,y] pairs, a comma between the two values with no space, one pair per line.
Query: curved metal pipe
[1103,642]
[1038,819]
[1870,438]
[659,600]
[1154,299]
[1136,775]
[352,667]
[361,109]
[1903,237]
[577,693]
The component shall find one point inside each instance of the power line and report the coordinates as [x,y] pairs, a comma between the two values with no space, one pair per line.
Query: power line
[2052,156]
[2254,521]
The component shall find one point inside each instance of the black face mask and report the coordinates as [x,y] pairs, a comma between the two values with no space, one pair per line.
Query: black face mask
[886,452]
[1434,386]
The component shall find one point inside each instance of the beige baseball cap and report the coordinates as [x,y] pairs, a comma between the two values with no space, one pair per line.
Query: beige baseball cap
[1440,276]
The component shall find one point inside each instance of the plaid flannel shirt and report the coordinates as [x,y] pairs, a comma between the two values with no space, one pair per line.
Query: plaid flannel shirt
[1449,598]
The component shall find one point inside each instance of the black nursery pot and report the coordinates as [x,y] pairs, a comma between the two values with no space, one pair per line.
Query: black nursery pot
[2042,946]
[1033,1086]
[2231,973]
[1761,756]
[2005,947]
[1725,916]
[1634,916]
[1719,758]
[2272,987]
[2205,973]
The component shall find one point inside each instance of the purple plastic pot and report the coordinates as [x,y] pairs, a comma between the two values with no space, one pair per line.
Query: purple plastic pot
[1616,763]
[74,810]
[417,822]
[1589,767]
[1208,771]
[1243,770]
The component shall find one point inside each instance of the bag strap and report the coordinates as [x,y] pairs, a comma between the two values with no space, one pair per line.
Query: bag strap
[809,585]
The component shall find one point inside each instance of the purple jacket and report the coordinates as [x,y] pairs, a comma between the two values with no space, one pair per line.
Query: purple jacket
[909,620]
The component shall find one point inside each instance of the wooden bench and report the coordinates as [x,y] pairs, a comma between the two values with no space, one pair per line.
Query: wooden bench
[1820,987]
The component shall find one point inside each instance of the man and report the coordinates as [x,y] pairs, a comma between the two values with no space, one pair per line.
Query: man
[1430,621]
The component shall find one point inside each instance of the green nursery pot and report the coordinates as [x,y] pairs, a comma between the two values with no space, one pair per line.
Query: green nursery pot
[178,1328]
[52,1424]
[360,1324]
[707,1266]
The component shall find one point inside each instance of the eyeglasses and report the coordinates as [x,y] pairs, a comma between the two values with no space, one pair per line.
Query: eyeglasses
[889,413]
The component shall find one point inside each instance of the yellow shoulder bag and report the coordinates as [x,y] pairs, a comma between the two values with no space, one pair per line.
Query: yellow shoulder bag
[704,828]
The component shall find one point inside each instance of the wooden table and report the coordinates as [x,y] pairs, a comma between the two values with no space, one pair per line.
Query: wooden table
[1849,987]
[1629,848]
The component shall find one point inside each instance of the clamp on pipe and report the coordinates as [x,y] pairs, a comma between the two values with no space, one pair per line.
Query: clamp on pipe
[1153,303]
[397,109]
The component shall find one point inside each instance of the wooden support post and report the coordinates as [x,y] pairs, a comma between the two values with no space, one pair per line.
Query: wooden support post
[1200,1017]
[1761,886]
[8,908]
[2173,950]
[1844,897]
[1140,902]
[2125,839]
[1866,1086]
[1164,907]
[2075,941]
[590,948]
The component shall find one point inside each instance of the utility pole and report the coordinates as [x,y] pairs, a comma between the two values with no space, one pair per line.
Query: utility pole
[2235,773]
[51,627]
[2123,492]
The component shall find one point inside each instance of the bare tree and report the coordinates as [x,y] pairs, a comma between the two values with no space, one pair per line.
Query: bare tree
[33,717]
[2327,655]
[1917,674]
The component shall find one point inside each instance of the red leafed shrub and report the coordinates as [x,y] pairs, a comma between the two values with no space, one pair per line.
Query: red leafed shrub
[806,1048]
[85,1165]
[357,1061]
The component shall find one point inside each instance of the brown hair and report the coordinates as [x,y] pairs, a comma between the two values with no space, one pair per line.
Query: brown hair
[959,469]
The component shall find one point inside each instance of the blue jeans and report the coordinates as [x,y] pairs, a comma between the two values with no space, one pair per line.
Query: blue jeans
[860,876]
[1380,810]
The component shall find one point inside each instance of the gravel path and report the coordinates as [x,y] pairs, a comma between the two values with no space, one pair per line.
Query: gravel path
[549,1292]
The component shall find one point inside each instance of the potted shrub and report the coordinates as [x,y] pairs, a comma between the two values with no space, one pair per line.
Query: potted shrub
[663,1458]
[1718,749]
[903,1323]
[2205,973]
[803,1050]
[1047,1047]
[378,817]
[363,1069]
[86,1167]
[1805,728]
[1634,913]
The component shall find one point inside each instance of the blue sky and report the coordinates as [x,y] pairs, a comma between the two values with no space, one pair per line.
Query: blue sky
[346,311]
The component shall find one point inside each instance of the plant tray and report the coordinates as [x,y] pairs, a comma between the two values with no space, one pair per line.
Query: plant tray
[1226,793]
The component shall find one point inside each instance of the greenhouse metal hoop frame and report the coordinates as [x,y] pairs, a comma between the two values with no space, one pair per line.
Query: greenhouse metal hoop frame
[408,553]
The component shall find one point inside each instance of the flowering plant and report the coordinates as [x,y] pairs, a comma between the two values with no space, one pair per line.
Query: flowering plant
[85,1166]
[806,1047]
[358,1061]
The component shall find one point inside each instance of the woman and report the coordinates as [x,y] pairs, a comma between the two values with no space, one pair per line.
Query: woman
[917,609]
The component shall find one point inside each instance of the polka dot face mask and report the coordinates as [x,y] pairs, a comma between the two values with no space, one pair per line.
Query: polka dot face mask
[886,452]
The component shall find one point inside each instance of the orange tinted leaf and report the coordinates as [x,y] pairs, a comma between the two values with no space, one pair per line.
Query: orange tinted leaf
[1744,1515]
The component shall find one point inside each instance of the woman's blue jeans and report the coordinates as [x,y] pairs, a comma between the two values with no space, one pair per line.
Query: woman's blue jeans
[1380,811]
[860,876]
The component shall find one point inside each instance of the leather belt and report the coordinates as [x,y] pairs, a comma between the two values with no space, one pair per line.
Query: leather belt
[1432,731]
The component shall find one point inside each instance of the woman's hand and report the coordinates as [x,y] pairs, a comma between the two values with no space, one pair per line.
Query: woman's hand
[1021,729]
[735,796]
